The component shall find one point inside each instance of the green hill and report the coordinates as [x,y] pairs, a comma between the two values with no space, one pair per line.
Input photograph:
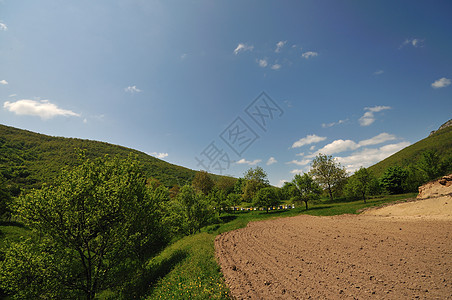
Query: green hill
[439,141]
[28,159]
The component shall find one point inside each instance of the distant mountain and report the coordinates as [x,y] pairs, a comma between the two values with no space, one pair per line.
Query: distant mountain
[28,159]
[439,140]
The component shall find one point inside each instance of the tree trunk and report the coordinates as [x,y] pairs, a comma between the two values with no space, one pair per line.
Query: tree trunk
[306,202]
[330,192]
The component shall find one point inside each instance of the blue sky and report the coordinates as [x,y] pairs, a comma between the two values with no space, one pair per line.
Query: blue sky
[358,80]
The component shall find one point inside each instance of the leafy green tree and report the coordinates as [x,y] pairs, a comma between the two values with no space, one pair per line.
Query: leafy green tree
[202,182]
[266,197]
[304,189]
[287,191]
[234,199]
[255,179]
[328,173]
[226,184]
[91,229]
[360,184]
[430,164]
[239,186]
[190,211]
[393,179]
[174,191]
[153,183]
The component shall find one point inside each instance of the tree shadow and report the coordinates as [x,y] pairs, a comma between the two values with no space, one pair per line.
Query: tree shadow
[227,219]
[147,277]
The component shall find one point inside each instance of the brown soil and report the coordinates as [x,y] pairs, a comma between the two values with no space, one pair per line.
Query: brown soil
[345,256]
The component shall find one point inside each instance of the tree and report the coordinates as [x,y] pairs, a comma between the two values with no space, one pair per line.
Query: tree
[393,179]
[239,186]
[226,184]
[174,191]
[305,189]
[266,197]
[360,184]
[328,173]
[430,164]
[153,183]
[255,179]
[96,223]
[189,211]
[202,182]
[286,191]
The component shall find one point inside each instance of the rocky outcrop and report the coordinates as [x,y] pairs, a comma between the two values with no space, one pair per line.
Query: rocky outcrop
[445,125]
[437,188]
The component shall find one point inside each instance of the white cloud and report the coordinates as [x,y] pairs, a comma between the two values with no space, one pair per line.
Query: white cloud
[413,42]
[271,161]
[379,72]
[369,117]
[3,27]
[183,56]
[276,67]
[309,139]
[300,171]
[378,139]
[440,83]
[132,89]
[309,54]
[303,162]
[312,148]
[300,154]
[281,182]
[326,125]
[367,157]
[279,46]
[338,146]
[160,155]
[43,109]
[12,95]
[247,162]
[4,82]
[242,47]
[262,62]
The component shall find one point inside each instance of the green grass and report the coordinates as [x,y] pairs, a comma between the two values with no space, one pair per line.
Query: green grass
[196,275]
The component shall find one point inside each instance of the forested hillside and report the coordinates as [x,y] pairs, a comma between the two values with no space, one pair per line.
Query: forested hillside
[440,142]
[28,159]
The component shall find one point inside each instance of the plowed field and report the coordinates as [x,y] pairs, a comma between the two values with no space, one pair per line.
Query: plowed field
[349,256]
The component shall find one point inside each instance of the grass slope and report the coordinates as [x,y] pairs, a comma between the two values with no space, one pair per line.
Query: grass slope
[440,141]
[28,159]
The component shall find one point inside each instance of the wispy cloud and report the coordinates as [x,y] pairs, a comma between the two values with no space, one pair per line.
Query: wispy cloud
[3,26]
[415,42]
[247,162]
[379,72]
[309,54]
[183,56]
[276,67]
[243,47]
[327,125]
[3,82]
[369,117]
[262,62]
[271,161]
[440,83]
[160,155]
[309,139]
[302,162]
[279,46]
[132,89]
[300,171]
[378,139]
[43,109]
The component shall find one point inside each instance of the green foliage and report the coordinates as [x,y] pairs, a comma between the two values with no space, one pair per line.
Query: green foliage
[429,164]
[5,199]
[361,184]
[189,211]
[286,192]
[304,189]
[328,173]
[257,174]
[202,183]
[227,184]
[239,186]
[92,226]
[266,197]
[393,180]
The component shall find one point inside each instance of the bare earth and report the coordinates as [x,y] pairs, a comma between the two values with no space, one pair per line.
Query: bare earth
[400,254]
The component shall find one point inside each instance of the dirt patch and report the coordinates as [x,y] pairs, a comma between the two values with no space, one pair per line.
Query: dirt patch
[338,257]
